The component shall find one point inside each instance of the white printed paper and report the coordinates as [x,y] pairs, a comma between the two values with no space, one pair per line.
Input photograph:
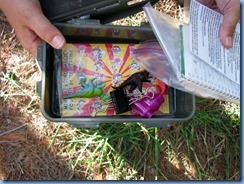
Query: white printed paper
[206,78]
[205,42]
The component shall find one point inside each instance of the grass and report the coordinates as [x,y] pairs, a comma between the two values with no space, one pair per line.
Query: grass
[219,133]
[207,147]
[14,85]
[111,145]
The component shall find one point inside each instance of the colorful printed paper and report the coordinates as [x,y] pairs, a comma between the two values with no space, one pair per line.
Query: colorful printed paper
[92,70]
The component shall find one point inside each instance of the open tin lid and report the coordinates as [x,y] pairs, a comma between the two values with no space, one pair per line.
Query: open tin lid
[106,10]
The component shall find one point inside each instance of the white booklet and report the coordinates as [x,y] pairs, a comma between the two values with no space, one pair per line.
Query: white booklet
[204,60]
[205,42]
[194,51]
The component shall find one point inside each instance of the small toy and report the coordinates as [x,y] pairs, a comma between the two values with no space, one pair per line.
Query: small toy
[144,103]
[120,100]
[135,81]
[89,90]
[147,105]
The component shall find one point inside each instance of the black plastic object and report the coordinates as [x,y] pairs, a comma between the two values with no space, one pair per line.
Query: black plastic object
[106,10]
[120,100]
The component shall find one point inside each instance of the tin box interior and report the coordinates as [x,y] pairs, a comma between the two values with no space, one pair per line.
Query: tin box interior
[182,105]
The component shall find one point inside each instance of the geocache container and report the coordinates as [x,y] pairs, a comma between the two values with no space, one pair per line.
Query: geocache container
[91,31]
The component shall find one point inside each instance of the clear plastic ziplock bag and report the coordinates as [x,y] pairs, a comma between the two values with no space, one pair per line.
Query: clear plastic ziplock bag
[162,57]
[151,56]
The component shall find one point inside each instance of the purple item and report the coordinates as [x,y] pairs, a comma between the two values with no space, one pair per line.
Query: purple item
[147,106]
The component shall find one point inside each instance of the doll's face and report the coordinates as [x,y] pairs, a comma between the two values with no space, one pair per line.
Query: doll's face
[135,66]
[80,105]
[81,50]
[116,32]
[98,65]
[97,105]
[97,53]
[117,78]
[116,50]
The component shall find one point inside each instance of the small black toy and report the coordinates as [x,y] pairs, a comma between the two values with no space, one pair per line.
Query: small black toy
[135,81]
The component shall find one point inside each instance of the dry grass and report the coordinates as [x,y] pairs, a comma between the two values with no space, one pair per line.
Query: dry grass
[173,8]
[24,134]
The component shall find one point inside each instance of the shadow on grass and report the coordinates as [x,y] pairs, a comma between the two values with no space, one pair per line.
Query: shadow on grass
[207,147]
[149,156]
[210,141]
[114,151]
[24,150]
